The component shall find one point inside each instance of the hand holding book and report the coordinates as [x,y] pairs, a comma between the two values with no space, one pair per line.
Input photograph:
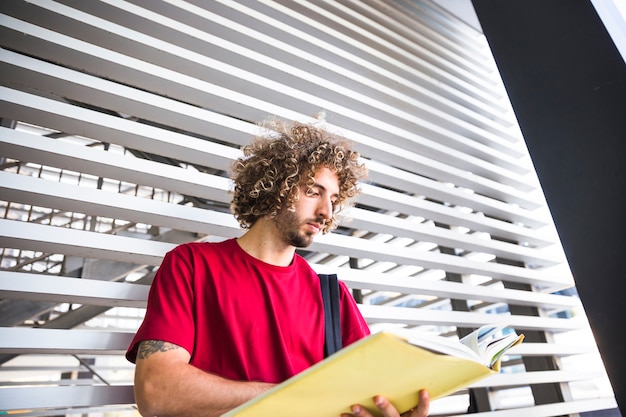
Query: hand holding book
[396,364]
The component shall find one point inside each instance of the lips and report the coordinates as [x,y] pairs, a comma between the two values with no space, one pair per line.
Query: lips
[315,227]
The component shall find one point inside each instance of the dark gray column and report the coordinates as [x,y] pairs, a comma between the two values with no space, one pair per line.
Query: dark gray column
[567,83]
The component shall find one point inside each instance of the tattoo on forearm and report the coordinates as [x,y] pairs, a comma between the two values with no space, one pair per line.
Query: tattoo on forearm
[150,347]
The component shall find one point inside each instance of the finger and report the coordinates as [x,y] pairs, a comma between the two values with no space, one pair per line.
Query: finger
[424,405]
[357,411]
[386,407]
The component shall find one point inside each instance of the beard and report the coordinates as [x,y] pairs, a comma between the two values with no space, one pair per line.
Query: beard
[289,225]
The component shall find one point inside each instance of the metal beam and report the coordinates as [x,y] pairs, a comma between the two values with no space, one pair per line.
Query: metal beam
[76,341]
[25,286]
[14,398]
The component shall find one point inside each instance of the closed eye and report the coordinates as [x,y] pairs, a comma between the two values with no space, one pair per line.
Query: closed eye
[312,192]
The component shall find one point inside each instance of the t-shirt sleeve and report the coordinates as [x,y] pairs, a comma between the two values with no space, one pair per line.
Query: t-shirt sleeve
[169,314]
[353,325]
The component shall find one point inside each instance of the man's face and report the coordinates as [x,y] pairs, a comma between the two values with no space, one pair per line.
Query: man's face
[314,207]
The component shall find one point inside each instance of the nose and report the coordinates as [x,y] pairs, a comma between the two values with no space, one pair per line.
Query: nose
[325,208]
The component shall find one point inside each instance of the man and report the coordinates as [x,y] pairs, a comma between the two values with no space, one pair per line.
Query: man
[227,321]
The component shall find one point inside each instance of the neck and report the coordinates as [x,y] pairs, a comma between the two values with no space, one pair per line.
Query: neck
[263,242]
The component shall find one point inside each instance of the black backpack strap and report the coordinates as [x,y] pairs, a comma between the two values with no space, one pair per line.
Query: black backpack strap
[332,323]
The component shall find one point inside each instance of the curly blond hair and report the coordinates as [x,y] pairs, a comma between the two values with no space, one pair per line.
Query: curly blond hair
[286,156]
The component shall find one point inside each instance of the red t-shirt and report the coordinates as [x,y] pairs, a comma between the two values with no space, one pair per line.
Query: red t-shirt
[239,317]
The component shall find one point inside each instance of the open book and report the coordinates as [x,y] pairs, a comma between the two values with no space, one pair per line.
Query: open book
[395,363]
[485,345]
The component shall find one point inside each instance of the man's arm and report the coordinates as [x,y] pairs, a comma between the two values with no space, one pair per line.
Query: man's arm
[167,385]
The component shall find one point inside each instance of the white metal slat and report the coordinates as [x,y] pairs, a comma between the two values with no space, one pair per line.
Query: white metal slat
[441,154]
[155,140]
[198,220]
[60,341]
[62,382]
[457,44]
[28,190]
[502,379]
[53,239]
[262,55]
[133,101]
[39,192]
[27,286]
[444,30]
[499,185]
[403,203]
[31,148]
[407,112]
[417,316]
[388,51]
[78,158]
[457,84]
[461,159]
[384,252]
[326,50]
[18,70]
[399,227]
[110,129]
[361,279]
[37,149]
[553,349]
[418,40]
[56,47]
[49,397]
[30,398]
[551,410]
[413,183]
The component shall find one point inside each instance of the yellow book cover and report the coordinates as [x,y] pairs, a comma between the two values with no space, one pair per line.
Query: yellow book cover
[384,363]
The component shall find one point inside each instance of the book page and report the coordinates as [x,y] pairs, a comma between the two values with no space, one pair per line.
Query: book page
[438,344]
